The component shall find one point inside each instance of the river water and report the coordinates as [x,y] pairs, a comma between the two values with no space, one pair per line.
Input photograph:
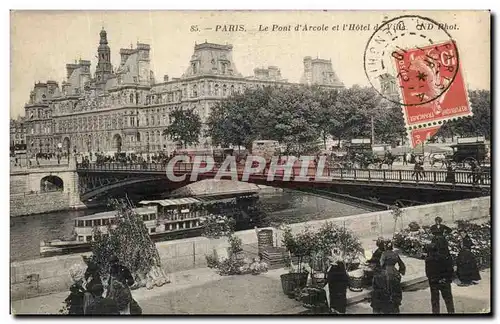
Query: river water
[26,232]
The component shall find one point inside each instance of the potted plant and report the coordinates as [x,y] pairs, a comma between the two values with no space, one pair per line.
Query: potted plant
[299,247]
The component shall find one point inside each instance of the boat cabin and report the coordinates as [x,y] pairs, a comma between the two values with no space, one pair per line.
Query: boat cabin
[84,226]
[178,214]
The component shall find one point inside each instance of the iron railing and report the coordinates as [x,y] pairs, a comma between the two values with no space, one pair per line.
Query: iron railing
[371,175]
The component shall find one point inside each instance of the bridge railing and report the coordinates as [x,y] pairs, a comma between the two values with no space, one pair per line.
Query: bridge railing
[375,175]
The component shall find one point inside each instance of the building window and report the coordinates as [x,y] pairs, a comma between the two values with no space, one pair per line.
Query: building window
[135,79]
[131,98]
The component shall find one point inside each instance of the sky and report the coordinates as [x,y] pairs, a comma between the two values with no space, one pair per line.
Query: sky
[43,42]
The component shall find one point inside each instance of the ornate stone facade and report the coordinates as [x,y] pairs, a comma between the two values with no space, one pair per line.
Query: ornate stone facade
[125,109]
[17,132]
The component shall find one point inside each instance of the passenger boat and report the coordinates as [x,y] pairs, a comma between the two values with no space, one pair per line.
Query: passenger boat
[165,219]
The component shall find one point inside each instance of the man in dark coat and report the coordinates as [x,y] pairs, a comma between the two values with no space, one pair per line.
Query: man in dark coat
[439,271]
[101,305]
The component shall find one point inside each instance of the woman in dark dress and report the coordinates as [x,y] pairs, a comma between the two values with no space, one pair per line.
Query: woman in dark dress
[467,270]
[374,262]
[92,278]
[338,281]
[387,293]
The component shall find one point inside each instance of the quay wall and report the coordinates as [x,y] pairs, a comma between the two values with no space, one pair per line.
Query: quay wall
[36,203]
[178,255]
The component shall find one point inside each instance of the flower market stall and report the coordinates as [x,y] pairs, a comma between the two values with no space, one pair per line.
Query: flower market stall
[412,241]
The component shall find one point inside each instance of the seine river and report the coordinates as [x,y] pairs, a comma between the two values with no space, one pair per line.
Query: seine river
[26,232]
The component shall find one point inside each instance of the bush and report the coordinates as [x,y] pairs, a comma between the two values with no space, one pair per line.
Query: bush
[212,261]
[217,226]
[228,267]
[235,244]
[413,243]
[317,245]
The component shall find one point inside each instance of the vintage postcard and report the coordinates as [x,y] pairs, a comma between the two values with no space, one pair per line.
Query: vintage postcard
[250,162]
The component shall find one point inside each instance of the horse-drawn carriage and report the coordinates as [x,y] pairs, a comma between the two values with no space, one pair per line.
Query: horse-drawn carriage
[360,154]
[469,152]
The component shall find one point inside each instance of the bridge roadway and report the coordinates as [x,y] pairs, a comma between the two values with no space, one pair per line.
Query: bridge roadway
[431,179]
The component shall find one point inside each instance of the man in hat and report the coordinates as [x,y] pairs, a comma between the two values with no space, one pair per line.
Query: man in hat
[439,271]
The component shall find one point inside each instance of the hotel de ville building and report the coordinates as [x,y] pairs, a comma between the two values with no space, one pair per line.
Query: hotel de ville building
[124,109]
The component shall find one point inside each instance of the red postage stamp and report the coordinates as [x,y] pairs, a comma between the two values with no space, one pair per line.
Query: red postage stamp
[432,85]
[420,135]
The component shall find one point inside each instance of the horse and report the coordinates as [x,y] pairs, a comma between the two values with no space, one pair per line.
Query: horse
[438,157]
[389,159]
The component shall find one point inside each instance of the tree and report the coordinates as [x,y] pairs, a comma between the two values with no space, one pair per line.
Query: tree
[291,119]
[353,112]
[131,243]
[478,124]
[185,127]
[235,120]
[389,122]
[327,99]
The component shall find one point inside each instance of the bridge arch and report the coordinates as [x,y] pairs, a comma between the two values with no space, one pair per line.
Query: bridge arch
[51,183]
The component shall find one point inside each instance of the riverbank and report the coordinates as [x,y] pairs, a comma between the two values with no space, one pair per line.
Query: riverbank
[187,254]
[202,291]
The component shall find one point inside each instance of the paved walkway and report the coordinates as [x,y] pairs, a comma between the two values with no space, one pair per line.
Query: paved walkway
[202,291]
[467,300]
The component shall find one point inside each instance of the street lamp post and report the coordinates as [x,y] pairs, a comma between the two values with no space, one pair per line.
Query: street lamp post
[373,130]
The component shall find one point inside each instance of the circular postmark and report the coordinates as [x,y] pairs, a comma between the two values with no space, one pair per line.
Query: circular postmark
[411,57]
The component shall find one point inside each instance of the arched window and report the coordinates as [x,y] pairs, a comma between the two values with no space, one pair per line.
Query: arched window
[193,66]
[232,89]
[217,90]
[224,90]
[131,98]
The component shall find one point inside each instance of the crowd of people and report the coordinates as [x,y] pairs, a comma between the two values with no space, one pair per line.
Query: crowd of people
[92,293]
[388,269]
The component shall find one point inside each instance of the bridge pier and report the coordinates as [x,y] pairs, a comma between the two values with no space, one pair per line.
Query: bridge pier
[30,194]
[74,194]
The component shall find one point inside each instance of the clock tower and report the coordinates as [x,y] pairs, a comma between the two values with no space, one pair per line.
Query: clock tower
[104,68]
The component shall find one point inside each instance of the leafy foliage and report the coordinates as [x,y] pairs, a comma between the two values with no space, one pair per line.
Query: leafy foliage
[129,241]
[217,226]
[185,127]
[389,122]
[317,245]
[478,124]
[301,117]
[413,243]
[396,213]
[354,107]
